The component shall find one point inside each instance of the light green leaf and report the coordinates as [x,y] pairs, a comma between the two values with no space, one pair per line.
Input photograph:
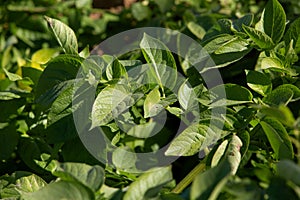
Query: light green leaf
[29,184]
[278,138]
[259,82]
[161,61]
[12,76]
[90,176]
[64,35]
[236,44]
[85,53]
[187,96]
[149,184]
[42,56]
[61,190]
[151,106]
[124,159]
[226,49]
[140,11]
[196,29]
[274,20]
[231,90]
[262,40]
[273,64]
[193,139]
[110,102]
[209,184]
[8,96]
[219,153]
[233,154]
[115,70]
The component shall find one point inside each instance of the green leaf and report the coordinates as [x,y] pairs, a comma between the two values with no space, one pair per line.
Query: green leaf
[231,98]
[115,70]
[196,29]
[30,149]
[282,114]
[289,171]
[274,20]
[140,11]
[161,61]
[209,184]
[31,183]
[262,40]
[90,176]
[58,70]
[61,190]
[293,33]
[259,82]
[187,97]
[149,184]
[226,49]
[110,102]
[246,20]
[12,76]
[124,159]
[164,5]
[8,141]
[64,35]
[278,138]
[233,153]
[8,96]
[273,64]
[42,56]
[219,153]
[151,106]
[193,139]
[279,96]
[295,89]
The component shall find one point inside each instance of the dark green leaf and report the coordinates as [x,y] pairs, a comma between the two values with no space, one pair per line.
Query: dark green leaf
[290,171]
[209,184]
[278,138]
[259,82]
[293,33]
[58,70]
[8,141]
[279,96]
[274,20]
[245,20]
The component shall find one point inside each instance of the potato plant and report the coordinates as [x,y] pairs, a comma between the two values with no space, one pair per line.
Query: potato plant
[219,121]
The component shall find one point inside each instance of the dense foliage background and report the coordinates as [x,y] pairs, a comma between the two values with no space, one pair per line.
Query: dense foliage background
[255,154]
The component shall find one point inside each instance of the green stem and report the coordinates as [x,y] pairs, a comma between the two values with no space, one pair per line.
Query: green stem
[186,181]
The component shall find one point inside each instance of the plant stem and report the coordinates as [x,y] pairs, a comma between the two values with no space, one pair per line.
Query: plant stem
[187,180]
